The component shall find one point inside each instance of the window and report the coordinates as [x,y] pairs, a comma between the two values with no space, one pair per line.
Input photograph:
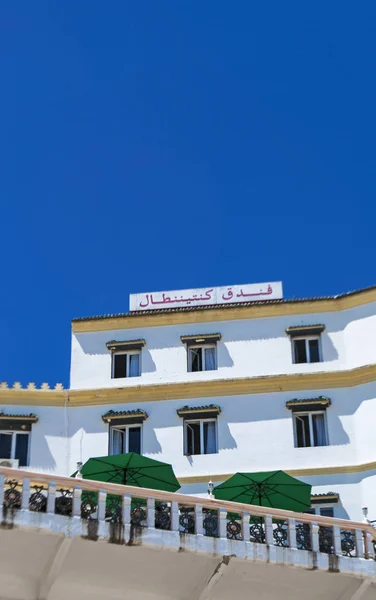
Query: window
[125,439]
[310,429]
[306,350]
[14,444]
[126,364]
[324,511]
[200,437]
[202,358]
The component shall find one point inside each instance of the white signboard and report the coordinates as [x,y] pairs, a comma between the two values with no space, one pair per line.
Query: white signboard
[251,292]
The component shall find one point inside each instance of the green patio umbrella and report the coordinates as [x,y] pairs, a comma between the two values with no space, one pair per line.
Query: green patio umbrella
[272,489]
[131,469]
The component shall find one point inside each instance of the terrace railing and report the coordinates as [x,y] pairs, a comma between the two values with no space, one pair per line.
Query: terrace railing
[124,513]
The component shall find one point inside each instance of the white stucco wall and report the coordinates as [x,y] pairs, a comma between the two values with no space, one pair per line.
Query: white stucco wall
[255,433]
[248,348]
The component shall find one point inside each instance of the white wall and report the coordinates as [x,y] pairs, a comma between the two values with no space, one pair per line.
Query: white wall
[255,433]
[248,348]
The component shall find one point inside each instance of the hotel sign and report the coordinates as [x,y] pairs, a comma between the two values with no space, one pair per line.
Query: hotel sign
[251,292]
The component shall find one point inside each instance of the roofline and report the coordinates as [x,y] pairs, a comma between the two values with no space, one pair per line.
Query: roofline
[222,312]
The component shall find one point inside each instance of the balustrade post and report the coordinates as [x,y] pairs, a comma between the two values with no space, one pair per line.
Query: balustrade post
[51,497]
[199,520]
[315,537]
[2,483]
[76,509]
[359,543]
[25,493]
[127,509]
[222,529]
[269,530]
[151,513]
[369,551]
[101,510]
[292,533]
[337,540]
[245,525]
[174,516]
[127,517]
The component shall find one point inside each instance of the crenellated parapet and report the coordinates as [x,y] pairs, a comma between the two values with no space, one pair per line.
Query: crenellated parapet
[30,386]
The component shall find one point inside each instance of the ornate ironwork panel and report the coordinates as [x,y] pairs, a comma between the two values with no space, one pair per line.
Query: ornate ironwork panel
[210,522]
[114,505]
[12,495]
[257,530]
[187,520]
[348,543]
[138,514]
[37,500]
[64,502]
[303,536]
[280,533]
[162,516]
[234,530]
[326,541]
[89,504]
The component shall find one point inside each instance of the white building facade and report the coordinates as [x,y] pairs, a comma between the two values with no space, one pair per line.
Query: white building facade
[215,389]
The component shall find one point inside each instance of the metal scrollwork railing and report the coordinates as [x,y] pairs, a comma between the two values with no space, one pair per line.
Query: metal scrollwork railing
[234,529]
[162,516]
[114,509]
[257,530]
[138,514]
[210,522]
[12,495]
[348,543]
[89,504]
[187,520]
[326,540]
[64,502]
[303,536]
[280,533]
[38,501]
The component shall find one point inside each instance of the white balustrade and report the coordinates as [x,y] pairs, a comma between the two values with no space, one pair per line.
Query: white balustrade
[315,537]
[292,533]
[174,515]
[245,526]
[199,520]
[216,519]
[102,497]
[25,493]
[222,529]
[77,494]
[51,497]
[151,513]
[269,537]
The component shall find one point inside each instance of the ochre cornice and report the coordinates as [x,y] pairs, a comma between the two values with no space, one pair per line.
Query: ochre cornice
[197,389]
[27,397]
[310,472]
[224,387]
[256,311]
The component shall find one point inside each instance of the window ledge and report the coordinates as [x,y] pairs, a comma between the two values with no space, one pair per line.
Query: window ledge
[17,422]
[204,338]
[328,498]
[199,412]
[320,403]
[129,417]
[115,346]
[304,330]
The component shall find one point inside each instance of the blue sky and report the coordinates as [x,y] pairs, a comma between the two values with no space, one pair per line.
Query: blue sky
[176,144]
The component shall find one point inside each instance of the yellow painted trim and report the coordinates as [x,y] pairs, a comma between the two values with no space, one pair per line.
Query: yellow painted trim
[267,384]
[256,311]
[294,472]
[14,397]
[224,387]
